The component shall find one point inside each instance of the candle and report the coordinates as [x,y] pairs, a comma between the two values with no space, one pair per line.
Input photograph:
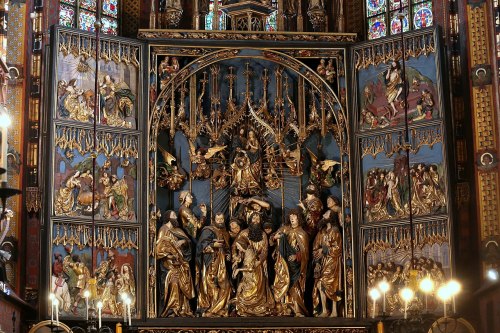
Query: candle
[444,294]
[128,301]
[86,294]
[407,295]
[124,299]
[51,297]
[454,287]
[99,313]
[375,295]
[56,304]
[384,288]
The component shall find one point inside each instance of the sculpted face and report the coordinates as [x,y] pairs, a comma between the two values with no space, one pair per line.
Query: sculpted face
[189,199]
[256,219]
[234,228]
[219,221]
[294,221]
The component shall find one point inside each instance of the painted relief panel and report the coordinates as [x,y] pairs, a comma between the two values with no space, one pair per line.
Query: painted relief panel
[94,206]
[115,261]
[380,84]
[118,82]
[388,256]
[115,177]
[385,172]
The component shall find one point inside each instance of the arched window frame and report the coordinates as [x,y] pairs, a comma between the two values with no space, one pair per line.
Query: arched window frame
[81,14]
[382,16]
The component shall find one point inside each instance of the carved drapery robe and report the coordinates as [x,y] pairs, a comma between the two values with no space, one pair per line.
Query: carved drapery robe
[253,295]
[327,269]
[290,274]
[178,285]
[214,286]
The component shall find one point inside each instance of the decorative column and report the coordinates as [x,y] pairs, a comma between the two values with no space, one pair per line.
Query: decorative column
[485,127]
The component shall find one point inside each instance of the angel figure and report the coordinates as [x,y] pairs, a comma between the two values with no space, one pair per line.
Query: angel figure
[321,171]
[293,160]
[169,175]
[220,177]
[200,156]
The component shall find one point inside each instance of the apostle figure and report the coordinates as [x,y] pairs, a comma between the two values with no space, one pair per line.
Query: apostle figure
[327,261]
[312,208]
[291,256]
[190,222]
[249,256]
[173,248]
[212,253]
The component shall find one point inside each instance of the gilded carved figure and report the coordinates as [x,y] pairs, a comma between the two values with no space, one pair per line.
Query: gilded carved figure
[117,103]
[312,208]
[327,262]
[291,256]
[190,222]
[249,257]
[169,175]
[247,164]
[173,249]
[65,200]
[212,255]
[394,85]
[201,157]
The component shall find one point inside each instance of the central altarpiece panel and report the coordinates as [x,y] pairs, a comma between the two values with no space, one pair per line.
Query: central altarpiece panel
[249,187]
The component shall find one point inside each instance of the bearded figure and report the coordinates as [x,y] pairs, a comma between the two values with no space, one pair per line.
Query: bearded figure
[212,254]
[249,256]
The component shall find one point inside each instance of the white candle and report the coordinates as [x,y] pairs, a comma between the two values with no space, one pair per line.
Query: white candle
[99,313]
[124,299]
[128,313]
[56,304]
[51,297]
[374,306]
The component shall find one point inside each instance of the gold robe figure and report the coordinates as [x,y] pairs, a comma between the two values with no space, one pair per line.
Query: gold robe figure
[327,261]
[291,256]
[312,207]
[246,165]
[249,253]
[212,253]
[173,248]
[65,198]
[190,222]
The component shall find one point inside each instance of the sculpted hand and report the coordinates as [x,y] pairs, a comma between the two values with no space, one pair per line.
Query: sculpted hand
[235,273]
[292,257]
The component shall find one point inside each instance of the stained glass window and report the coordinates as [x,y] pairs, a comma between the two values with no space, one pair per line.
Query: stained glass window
[82,14]
[384,17]
[209,18]
[271,23]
